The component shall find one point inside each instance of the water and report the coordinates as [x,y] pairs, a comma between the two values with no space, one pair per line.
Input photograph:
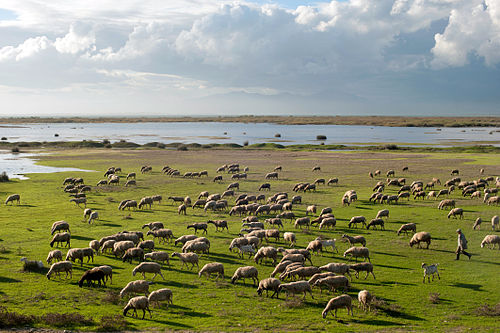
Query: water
[18,164]
[209,132]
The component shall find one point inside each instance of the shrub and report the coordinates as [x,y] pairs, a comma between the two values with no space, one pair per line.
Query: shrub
[111,297]
[391,147]
[14,319]
[490,311]
[434,298]
[112,323]
[66,319]
[320,137]
[277,135]
[182,148]
[106,142]
[245,143]
[15,150]
[4,177]
[4,138]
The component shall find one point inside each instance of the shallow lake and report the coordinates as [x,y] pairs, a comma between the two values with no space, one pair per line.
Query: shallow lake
[212,132]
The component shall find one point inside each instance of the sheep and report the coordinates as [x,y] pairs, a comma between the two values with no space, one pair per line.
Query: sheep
[137,286]
[131,175]
[407,227]
[328,242]
[456,211]
[295,257]
[290,237]
[301,272]
[375,222]
[295,288]
[319,276]
[356,252]
[146,201]
[133,252]
[158,256]
[119,248]
[128,204]
[362,267]
[491,240]
[292,254]
[328,222]
[337,303]
[275,222]
[355,239]
[212,268]
[90,276]
[357,219]
[272,233]
[148,267]
[29,265]
[494,222]
[13,197]
[269,284]
[159,295]
[266,252]
[419,237]
[59,226]
[315,246]
[198,226]
[94,245]
[61,266]
[446,203]
[147,244]
[382,213]
[430,270]
[272,175]
[63,237]
[245,272]
[79,201]
[164,235]
[55,255]
[93,216]
[316,168]
[106,270]
[250,249]
[492,200]
[365,299]
[138,303]
[222,224]
[196,246]
[183,239]
[109,244]
[153,225]
[187,258]
[302,221]
[337,268]
[332,282]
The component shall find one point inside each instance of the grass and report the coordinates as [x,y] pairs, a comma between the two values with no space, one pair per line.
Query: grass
[467,289]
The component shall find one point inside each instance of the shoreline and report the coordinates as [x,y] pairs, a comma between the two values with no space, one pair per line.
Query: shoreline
[388,121]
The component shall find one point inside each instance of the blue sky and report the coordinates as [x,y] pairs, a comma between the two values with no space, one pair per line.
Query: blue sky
[205,57]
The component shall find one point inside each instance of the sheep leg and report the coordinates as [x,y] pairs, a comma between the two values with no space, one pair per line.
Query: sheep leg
[367,275]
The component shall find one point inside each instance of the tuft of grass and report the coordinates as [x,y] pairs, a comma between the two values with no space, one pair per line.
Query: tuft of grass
[111,297]
[489,311]
[434,298]
[112,323]
[10,319]
[4,177]
[293,303]
[66,319]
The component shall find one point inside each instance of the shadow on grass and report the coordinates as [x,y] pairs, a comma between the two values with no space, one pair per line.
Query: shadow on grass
[26,205]
[4,279]
[378,322]
[177,284]
[82,238]
[111,225]
[389,266]
[476,287]
[396,282]
[389,254]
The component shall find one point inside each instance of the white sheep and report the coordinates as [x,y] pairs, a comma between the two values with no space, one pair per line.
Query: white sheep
[63,237]
[187,258]
[137,303]
[59,226]
[108,245]
[245,272]
[337,268]
[491,240]
[159,295]
[494,222]
[477,224]
[332,283]
[328,242]
[269,284]
[357,251]
[296,288]
[161,256]
[266,252]
[94,245]
[249,249]
[196,246]
[119,248]
[290,237]
[55,255]
[107,270]
[362,267]
[407,227]
[419,237]
[430,270]
[137,286]
[337,303]
[365,299]
[61,266]
[148,267]
[212,268]
[93,216]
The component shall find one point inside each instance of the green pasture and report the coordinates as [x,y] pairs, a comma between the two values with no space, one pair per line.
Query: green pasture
[453,303]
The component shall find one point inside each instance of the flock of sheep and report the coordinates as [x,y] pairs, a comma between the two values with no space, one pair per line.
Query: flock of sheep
[291,275]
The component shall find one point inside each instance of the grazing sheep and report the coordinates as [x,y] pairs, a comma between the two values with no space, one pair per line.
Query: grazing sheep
[246,272]
[275,222]
[337,268]
[79,201]
[356,252]
[93,216]
[222,224]
[477,224]
[160,295]
[300,272]
[153,225]
[332,283]
[164,235]
[59,226]
[196,246]
[187,258]
[456,211]
[158,256]
[147,244]
[494,222]
[328,242]
[355,239]
[302,221]
[357,219]
[491,240]
[315,246]
[55,255]
[316,168]
[332,181]
[446,203]
[120,247]
[138,303]
[430,270]
[61,266]
[290,237]
[272,233]
[365,300]
[29,265]
[128,204]
[250,249]
[382,213]
[137,286]
[199,226]
[492,200]
[13,197]
[212,268]
[375,222]
[266,252]
[148,267]
[296,288]
[146,201]
[108,244]
[63,237]
[407,227]
[362,267]
[295,257]
[181,209]
[338,303]
[183,239]
[419,237]
[95,245]
[269,284]
[90,276]
[107,271]
[133,252]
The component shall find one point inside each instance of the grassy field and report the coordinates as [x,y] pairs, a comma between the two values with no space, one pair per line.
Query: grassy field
[454,303]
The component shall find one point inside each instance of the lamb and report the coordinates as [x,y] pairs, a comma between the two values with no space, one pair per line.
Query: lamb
[407,227]
[338,303]
[266,252]
[295,288]
[290,237]
[494,222]
[137,286]
[332,282]
[430,270]
[269,284]
[456,211]
[212,268]
[159,295]
[355,239]
[13,197]
[59,226]
[133,252]
[90,276]
[382,213]
[153,225]
[365,299]
[137,303]
[491,240]
[362,267]
[187,258]
[61,266]
[357,219]
[419,237]
[63,237]
[246,272]
[356,252]
[55,255]
[148,267]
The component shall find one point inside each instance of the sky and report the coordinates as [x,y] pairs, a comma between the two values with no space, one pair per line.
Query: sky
[205,57]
